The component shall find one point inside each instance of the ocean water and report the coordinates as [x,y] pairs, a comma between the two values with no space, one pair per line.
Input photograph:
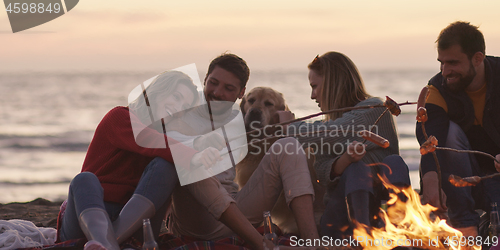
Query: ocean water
[48,119]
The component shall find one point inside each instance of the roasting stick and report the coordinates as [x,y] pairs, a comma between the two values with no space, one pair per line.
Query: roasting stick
[322,113]
[458,181]
[341,110]
[280,136]
[422,118]
[375,123]
[431,145]
[469,151]
[390,105]
[327,112]
[367,135]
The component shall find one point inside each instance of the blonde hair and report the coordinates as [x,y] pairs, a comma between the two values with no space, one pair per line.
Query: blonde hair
[342,83]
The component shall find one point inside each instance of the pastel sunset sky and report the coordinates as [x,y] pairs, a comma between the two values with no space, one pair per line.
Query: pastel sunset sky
[114,35]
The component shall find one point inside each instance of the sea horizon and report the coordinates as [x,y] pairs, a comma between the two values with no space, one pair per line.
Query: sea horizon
[48,119]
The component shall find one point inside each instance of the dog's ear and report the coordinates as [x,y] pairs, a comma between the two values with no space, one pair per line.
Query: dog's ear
[284,106]
[242,105]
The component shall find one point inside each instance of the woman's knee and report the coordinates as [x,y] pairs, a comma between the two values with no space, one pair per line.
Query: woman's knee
[358,176]
[161,167]
[394,160]
[396,170]
[394,163]
[357,169]
[84,179]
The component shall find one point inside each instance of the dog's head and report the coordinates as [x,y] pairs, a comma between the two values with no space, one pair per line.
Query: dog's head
[259,107]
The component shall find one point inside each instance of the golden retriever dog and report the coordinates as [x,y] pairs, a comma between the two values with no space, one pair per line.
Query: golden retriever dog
[259,107]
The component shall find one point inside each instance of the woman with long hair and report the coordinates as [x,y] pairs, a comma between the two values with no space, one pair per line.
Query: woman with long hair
[342,158]
[128,173]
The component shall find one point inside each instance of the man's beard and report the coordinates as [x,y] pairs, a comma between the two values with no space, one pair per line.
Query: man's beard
[463,82]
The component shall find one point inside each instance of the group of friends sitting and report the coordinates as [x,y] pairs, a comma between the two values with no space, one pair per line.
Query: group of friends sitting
[131,170]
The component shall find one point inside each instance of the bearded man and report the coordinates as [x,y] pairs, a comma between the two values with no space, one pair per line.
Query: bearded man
[464,113]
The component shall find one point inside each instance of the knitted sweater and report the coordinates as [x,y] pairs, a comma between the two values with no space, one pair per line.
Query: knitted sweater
[341,132]
[116,159]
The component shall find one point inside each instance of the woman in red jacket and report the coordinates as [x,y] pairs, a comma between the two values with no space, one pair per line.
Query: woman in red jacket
[128,173]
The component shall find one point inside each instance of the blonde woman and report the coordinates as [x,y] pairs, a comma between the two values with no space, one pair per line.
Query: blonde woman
[342,158]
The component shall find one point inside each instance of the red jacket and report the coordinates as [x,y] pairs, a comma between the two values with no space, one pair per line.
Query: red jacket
[116,159]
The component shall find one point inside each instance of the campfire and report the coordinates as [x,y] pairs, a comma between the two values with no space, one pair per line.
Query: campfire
[409,224]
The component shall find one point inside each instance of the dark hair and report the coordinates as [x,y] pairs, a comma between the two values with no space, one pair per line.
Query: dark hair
[233,64]
[468,36]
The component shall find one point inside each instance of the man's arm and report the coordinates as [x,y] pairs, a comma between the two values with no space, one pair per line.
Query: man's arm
[236,221]
[437,125]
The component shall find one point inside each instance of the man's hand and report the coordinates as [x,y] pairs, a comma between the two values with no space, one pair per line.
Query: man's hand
[431,195]
[206,158]
[212,139]
[497,165]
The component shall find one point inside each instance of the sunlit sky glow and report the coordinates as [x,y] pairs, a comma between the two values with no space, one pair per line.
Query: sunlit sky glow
[157,35]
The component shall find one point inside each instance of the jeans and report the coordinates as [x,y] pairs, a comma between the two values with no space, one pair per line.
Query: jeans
[358,176]
[462,202]
[156,184]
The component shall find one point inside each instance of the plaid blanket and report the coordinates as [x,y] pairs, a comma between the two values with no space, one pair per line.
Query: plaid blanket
[170,242]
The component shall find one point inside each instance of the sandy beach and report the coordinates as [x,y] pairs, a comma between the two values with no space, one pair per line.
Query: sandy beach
[40,211]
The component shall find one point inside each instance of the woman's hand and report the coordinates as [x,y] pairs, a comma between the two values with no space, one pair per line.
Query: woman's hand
[355,151]
[206,158]
[212,139]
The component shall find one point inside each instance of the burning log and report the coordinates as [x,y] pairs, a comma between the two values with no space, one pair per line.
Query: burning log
[412,226]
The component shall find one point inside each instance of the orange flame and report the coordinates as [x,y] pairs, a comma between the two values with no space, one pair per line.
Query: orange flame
[408,224]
